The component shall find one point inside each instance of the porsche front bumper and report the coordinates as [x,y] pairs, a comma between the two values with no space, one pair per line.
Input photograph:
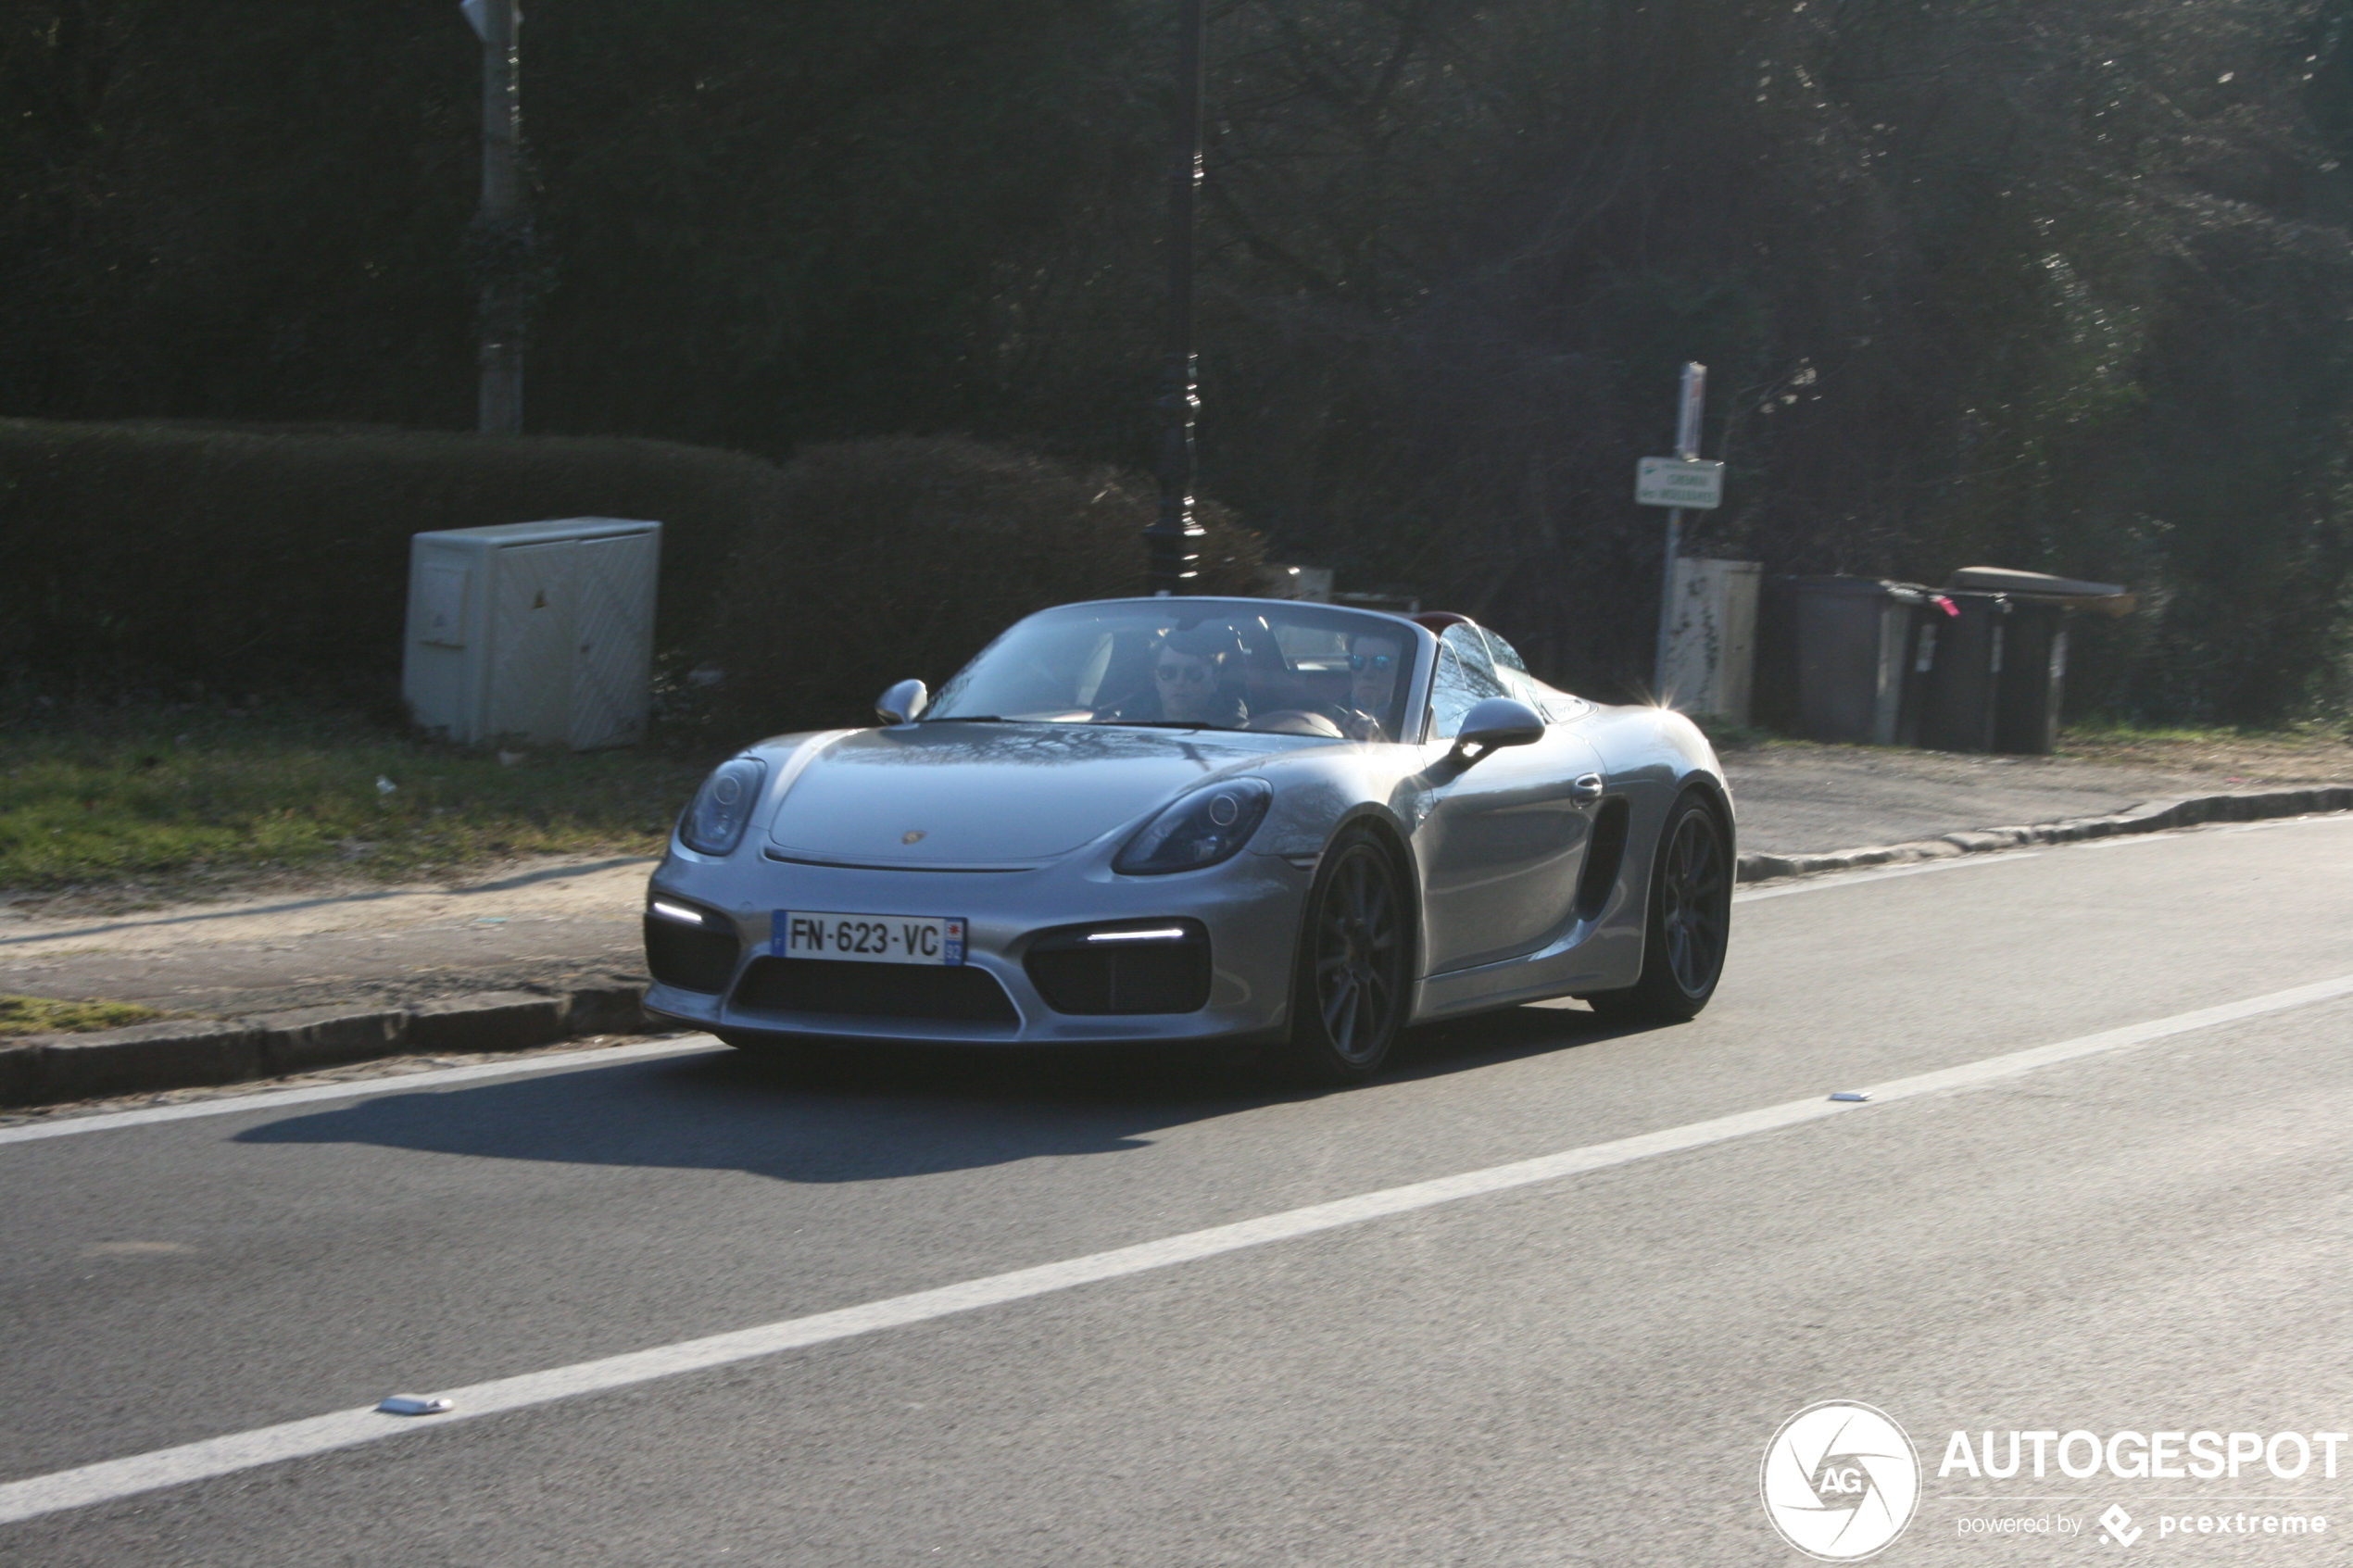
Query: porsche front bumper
[1248,907]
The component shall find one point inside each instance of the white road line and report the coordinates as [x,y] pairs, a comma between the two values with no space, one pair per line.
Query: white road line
[112,1479]
[271,1099]
[1848,879]
[2210,830]
[2129,841]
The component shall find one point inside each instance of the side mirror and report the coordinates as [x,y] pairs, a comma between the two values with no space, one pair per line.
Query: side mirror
[902,703]
[1498,721]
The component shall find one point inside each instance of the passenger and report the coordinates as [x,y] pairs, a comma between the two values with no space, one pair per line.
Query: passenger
[1374,661]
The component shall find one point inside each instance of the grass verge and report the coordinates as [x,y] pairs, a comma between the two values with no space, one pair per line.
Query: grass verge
[39,1015]
[186,792]
[2307,752]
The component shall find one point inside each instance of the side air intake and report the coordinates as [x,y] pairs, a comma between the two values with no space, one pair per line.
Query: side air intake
[1603,858]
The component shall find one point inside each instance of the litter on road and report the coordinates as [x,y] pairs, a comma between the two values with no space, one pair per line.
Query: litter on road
[415,1404]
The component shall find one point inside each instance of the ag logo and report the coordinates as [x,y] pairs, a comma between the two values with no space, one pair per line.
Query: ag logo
[1840,1481]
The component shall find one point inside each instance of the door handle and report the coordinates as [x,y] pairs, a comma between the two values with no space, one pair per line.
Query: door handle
[1587,790]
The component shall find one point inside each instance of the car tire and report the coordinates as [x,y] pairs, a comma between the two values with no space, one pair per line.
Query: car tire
[1349,988]
[1687,926]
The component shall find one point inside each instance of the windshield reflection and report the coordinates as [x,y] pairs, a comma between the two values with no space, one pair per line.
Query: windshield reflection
[1264,666]
[1024,743]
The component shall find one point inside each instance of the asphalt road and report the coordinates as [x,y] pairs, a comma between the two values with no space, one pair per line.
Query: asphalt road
[1584,1367]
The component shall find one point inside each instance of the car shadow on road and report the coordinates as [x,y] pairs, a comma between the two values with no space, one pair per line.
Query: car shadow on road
[1490,1039]
[877,1114]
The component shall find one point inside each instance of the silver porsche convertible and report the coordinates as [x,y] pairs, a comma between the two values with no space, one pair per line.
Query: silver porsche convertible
[1213,819]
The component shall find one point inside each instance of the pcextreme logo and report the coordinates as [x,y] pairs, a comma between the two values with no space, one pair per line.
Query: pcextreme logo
[1840,1481]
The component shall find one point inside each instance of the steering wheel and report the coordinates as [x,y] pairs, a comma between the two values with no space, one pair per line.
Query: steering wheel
[1310,720]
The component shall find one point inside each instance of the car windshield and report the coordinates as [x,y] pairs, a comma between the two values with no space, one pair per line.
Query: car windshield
[1266,665]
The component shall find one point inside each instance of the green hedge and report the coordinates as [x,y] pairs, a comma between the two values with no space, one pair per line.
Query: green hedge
[153,556]
[158,554]
[905,556]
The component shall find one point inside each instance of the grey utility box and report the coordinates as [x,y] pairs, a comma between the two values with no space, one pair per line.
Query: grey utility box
[538,632]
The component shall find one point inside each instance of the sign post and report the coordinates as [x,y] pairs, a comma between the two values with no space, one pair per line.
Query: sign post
[1679,482]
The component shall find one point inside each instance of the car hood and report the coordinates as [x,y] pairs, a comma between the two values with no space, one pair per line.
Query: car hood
[945,794]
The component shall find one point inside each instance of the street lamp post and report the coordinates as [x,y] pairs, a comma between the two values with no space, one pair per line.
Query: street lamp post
[501,237]
[1173,538]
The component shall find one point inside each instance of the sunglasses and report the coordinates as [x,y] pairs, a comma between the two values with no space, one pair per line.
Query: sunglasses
[1191,674]
[1361,662]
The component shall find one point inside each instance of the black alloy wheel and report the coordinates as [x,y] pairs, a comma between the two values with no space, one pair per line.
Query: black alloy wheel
[1689,923]
[1349,998]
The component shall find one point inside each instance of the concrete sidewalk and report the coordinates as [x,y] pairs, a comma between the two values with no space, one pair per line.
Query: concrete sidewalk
[556,927]
[541,927]
[1802,798]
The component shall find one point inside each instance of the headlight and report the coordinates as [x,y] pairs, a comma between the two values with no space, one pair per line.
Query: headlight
[714,823]
[1203,828]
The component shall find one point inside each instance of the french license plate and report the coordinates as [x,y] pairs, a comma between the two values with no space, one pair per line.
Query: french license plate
[809,934]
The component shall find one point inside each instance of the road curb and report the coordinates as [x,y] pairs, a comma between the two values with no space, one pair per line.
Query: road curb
[2154,817]
[188,1053]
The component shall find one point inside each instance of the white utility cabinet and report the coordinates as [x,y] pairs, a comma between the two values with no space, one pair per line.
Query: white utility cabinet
[1711,638]
[541,631]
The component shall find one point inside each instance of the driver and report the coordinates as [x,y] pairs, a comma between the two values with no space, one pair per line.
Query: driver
[1374,661]
[1190,669]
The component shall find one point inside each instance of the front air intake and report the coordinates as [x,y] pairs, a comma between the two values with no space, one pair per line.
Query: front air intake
[1137,967]
[697,954]
[957,993]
